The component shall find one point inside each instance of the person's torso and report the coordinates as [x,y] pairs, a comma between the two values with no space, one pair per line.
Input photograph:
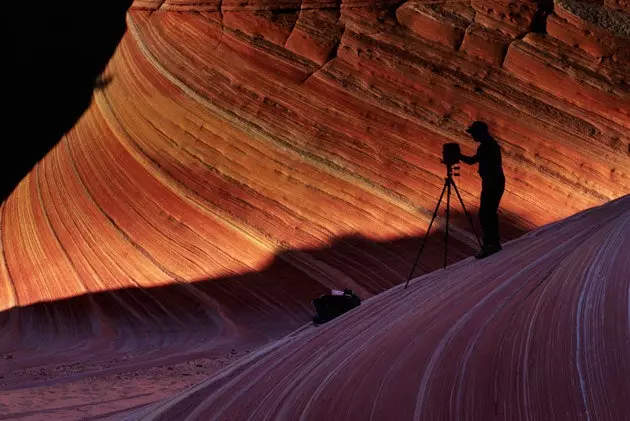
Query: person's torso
[490,163]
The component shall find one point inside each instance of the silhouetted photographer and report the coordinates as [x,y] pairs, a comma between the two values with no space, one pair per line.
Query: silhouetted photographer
[493,185]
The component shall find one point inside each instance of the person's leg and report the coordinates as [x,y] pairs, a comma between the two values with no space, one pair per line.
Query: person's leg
[491,193]
[492,223]
[497,193]
[485,213]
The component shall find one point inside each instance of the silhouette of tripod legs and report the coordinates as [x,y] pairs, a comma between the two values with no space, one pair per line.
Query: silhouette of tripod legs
[468,215]
[448,182]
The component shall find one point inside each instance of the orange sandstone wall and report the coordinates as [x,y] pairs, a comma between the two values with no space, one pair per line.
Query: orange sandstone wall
[257,153]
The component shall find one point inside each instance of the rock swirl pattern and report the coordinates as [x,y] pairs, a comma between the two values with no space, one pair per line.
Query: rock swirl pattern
[240,158]
[541,331]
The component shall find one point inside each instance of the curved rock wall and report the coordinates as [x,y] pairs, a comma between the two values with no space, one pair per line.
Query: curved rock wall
[547,338]
[258,153]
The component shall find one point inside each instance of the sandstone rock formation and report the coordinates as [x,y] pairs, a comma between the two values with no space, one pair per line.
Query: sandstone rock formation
[545,339]
[246,156]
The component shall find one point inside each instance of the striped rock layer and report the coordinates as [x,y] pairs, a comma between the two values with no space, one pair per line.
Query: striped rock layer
[539,331]
[247,156]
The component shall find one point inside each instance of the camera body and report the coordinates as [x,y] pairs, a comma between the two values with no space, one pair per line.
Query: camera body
[450,153]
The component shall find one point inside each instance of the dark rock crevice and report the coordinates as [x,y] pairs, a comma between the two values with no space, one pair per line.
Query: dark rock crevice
[298,13]
[331,57]
[537,26]
[539,21]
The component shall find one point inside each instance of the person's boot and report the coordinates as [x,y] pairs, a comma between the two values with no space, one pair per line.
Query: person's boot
[488,251]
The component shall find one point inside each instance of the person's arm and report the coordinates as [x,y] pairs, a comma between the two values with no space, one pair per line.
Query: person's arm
[469,159]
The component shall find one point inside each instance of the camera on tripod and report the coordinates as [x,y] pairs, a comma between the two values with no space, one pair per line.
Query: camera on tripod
[450,153]
[450,157]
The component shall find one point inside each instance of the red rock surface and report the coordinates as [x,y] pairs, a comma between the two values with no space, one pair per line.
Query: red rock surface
[436,23]
[487,44]
[593,28]
[248,156]
[513,18]
[316,35]
[541,328]
[618,4]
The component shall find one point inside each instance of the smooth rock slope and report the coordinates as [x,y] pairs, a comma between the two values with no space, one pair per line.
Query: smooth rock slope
[539,331]
[240,158]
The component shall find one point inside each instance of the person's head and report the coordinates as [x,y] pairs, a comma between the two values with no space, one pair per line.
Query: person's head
[478,130]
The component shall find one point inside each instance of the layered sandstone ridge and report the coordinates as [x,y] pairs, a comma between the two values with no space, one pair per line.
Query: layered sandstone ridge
[540,331]
[245,157]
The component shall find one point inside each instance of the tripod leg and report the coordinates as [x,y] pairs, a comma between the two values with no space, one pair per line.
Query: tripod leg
[424,241]
[466,212]
[448,206]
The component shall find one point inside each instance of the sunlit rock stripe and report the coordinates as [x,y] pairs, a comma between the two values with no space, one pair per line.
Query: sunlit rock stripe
[318,199]
[436,178]
[497,102]
[347,146]
[229,159]
[546,172]
[539,330]
[8,297]
[37,263]
[283,161]
[107,251]
[524,62]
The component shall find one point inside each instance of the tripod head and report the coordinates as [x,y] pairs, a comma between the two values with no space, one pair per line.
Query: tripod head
[452,170]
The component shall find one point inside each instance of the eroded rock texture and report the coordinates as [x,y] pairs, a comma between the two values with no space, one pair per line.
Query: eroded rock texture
[246,156]
[547,338]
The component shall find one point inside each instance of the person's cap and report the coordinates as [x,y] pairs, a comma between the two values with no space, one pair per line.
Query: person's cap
[477,127]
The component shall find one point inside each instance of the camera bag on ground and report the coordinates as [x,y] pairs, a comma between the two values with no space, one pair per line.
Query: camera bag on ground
[329,306]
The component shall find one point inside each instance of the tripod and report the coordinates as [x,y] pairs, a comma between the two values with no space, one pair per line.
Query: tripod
[448,182]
